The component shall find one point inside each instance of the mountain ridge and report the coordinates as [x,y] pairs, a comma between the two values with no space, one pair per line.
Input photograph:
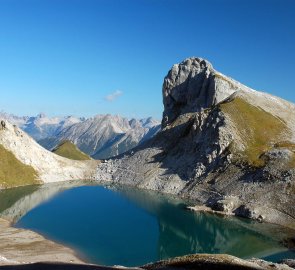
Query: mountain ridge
[41,126]
[104,136]
[101,136]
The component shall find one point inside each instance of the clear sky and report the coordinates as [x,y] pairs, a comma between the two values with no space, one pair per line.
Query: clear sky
[87,57]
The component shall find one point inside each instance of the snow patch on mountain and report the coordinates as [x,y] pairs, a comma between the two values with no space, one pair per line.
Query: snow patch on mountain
[101,136]
[41,126]
[104,136]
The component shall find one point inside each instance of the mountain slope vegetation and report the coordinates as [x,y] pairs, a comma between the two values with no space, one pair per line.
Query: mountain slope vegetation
[68,150]
[13,172]
[24,161]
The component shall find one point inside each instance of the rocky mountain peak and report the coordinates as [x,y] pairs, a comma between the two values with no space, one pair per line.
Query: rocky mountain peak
[222,144]
[191,86]
[41,115]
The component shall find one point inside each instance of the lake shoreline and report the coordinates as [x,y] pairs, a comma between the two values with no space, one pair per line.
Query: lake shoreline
[61,253]
[192,203]
[57,256]
[22,246]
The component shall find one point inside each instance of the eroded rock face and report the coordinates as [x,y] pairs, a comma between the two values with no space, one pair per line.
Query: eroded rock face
[190,87]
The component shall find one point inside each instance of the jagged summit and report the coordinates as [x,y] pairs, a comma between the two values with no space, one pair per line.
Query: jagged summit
[104,136]
[194,85]
[191,86]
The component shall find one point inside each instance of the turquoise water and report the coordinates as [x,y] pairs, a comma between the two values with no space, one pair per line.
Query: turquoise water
[121,226]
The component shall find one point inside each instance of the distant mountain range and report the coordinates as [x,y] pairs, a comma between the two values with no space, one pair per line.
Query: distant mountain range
[40,127]
[101,137]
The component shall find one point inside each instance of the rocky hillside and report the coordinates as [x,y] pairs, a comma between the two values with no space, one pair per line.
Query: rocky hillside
[23,161]
[104,136]
[222,144]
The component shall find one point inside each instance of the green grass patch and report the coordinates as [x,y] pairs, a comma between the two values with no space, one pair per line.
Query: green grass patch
[13,172]
[69,150]
[258,129]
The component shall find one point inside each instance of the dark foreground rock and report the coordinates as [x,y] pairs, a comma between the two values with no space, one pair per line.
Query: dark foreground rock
[214,262]
[289,262]
[190,262]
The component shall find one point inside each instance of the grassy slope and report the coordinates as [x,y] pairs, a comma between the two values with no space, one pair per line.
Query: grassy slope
[259,130]
[13,172]
[69,150]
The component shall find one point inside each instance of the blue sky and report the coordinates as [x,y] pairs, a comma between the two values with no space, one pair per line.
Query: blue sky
[87,57]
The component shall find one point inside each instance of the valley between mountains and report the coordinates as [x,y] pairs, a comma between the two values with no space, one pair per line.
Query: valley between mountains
[220,144]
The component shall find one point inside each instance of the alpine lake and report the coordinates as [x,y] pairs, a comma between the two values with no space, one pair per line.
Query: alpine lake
[115,225]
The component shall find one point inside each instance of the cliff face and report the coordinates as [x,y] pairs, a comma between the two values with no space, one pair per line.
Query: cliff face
[192,86]
[222,144]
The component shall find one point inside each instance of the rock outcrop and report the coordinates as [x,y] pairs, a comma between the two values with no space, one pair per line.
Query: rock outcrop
[193,262]
[219,140]
[192,86]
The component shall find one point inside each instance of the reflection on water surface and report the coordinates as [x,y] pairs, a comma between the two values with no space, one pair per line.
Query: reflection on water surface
[123,226]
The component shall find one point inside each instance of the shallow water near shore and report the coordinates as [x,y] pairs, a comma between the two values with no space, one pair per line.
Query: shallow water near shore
[123,226]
